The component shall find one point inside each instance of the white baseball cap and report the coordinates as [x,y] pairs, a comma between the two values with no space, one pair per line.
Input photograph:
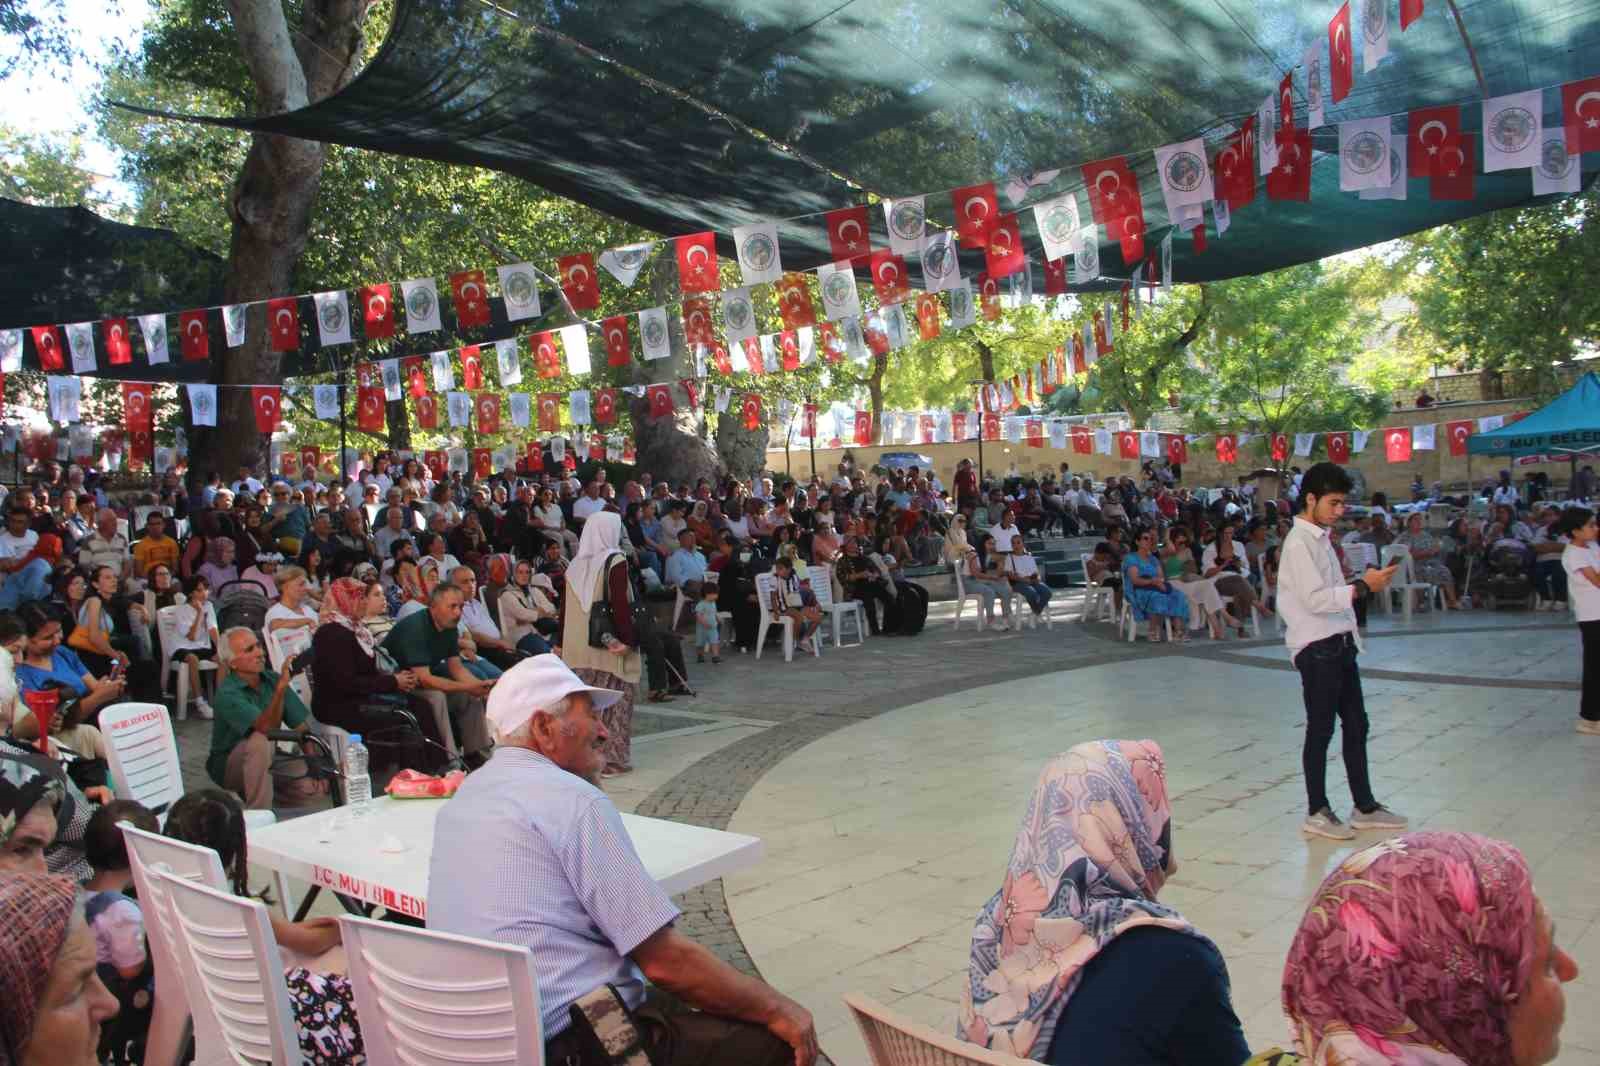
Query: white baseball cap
[535,684]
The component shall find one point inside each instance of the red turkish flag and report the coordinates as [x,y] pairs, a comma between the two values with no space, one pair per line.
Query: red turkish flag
[847,234]
[1082,440]
[1280,447]
[141,447]
[1341,60]
[928,316]
[482,462]
[890,277]
[660,400]
[1198,235]
[283,316]
[1580,111]
[697,321]
[720,359]
[808,420]
[828,341]
[47,342]
[119,350]
[1113,189]
[1428,128]
[546,357]
[697,262]
[471,368]
[549,412]
[1452,177]
[197,340]
[618,350]
[1100,345]
[1128,444]
[1339,447]
[288,465]
[1410,11]
[377,309]
[605,407]
[368,375]
[414,369]
[755,359]
[267,400]
[1177,449]
[579,281]
[471,298]
[630,452]
[1003,253]
[1291,178]
[136,410]
[794,302]
[1286,101]
[533,458]
[1227,448]
[989,297]
[369,409]
[863,427]
[1080,363]
[691,392]
[597,448]
[1397,444]
[488,407]
[750,408]
[1035,433]
[991,426]
[789,350]
[1458,432]
[310,458]
[1129,231]
[1235,167]
[976,210]
[438,464]
[427,409]
[1055,277]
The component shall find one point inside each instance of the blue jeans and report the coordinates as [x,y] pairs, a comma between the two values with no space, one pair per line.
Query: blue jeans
[482,669]
[30,583]
[1037,595]
[533,644]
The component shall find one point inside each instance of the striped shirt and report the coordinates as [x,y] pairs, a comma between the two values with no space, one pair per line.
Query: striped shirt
[527,853]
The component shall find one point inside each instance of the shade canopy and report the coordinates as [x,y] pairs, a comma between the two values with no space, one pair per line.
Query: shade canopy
[1567,425]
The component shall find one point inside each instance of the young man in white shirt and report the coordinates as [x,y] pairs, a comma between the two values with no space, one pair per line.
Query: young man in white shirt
[1317,605]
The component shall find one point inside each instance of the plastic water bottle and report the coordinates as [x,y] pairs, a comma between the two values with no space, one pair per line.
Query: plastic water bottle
[357,785]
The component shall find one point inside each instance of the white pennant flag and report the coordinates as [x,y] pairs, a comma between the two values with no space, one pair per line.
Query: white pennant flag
[389,372]
[738,359]
[907,222]
[575,339]
[808,344]
[233,323]
[944,427]
[1422,437]
[1267,133]
[508,362]
[769,354]
[941,265]
[1102,441]
[333,317]
[1513,131]
[165,459]
[962,311]
[757,248]
[1059,227]
[1185,176]
[1364,154]
[1303,443]
[325,400]
[10,350]
[1490,423]
[1058,434]
[444,375]
[1166,261]
[80,443]
[80,341]
[1396,189]
[1358,441]
[738,317]
[1557,171]
[1013,429]
[894,324]
[1111,326]
[839,296]
[1222,215]
[203,404]
[724,394]
[855,342]
[1086,260]
[65,392]
[504,458]
[1149,444]
[1374,33]
[578,407]
[458,407]
[519,288]
[1312,64]
[625,263]
[421,297]
[457,460]
[154,328]
[654,337]
[521,410]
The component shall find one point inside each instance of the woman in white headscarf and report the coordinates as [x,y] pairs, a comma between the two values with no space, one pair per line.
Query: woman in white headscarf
[599,569]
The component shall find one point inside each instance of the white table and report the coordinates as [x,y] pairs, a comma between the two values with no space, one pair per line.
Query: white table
[352,862]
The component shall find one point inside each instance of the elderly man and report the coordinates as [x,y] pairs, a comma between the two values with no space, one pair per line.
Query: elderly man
[686,567]
[251,702]
[563,878]
[480,624]
[428,644]
[589,503]
[393,530]
[105,546]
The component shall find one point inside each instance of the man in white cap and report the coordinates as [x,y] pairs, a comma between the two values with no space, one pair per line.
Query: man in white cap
[531,852]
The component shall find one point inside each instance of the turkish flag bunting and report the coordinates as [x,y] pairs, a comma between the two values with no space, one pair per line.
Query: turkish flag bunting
[369,409]
[1291,178]
[1397,444]
[136,405]
[533,458]
[1129,232]
[697,321]
[1339,447]
[1055,277]
[1227,448]
[310,458]
[414,368]
[267,401]
[1199,236]
[976,211]
[1428,128]
[808,420]
[597,448]
[482,462]
[720,359]
[1082,440]
[877,339]
[1410,11]
[750,408]
[989,297]
[141,447]
[546,358]
[794,302]
[377,311]
[1035,433]
[1280,447]
[848,238]
[427,408]
[1080,365]
[1580,111]
[118,349]
[1003,253]
[1341,59]
[754,357]
[928,316]
[1177,449]
[991,426]
[618,351]
[828,340]
[1458,432]
[488,407]
[579,281]
[1234,167]
[1100,345]
[1128,444]
[1113,189]
[197,340]
[549,412]
[284,317]
[691,392]
[890,277]
[660,400]
[47,342]
[697,262]
[863,427]
[1452,177]
[605,407]
[471,368]
[368,375]
[471,298]
[1028,384]
[789,350]
[1286,101]
[438,464]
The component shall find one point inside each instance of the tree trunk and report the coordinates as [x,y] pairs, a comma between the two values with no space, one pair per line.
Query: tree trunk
[880,363]
[985,360]
[670,449]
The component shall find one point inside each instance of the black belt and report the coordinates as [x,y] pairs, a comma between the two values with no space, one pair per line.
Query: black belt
[1338,640]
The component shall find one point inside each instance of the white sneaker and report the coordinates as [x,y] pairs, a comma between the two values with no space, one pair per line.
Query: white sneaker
[1382,818]
[1587,727]
[1327,824]
[202,709]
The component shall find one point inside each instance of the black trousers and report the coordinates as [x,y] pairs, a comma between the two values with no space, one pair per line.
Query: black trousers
[1590,707]
[660,648]
[685,1038]
[1332,688]
[871,593]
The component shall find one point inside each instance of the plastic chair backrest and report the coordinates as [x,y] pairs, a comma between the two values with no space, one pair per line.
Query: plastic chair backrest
[277,655]
[961,585]
[766,587]
[1360,556]
[822,585]
[893,1040]
[143,753]
[1084,558]
[427,998]
[1390,553]
[235,959]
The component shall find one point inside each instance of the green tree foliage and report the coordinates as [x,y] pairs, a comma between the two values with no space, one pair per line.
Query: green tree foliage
[37,30]
[48,172]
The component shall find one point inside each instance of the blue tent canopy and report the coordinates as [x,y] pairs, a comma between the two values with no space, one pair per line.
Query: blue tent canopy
[1569,424]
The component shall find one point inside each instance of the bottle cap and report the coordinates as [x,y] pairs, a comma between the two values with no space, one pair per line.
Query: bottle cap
[355,738]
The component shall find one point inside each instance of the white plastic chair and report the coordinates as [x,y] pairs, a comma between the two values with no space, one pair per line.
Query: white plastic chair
[143,754]
[962,596]
[277,654]
[766,587]
[1407,583]
[427,998]
[166,631]
[678,605]
[822,587]
[894,1040]
[1132,625]
[1099,600]
[238,970]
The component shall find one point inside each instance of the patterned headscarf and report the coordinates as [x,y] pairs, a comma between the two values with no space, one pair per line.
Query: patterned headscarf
[35,912]
[1086,866]
[346,605]
[27,780]
[1413,951]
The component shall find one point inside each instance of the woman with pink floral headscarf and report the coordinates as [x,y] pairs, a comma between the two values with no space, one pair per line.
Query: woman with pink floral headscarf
[1428,949]
[1073,960]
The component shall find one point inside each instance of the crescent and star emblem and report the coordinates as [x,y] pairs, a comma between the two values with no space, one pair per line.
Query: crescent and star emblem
[195,324]
[966,208]
[849,224]
[577,274]
[616,339]
[279,319]
[377,306]
[697,263]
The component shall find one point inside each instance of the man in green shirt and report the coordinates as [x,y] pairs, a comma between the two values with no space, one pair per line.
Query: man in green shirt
[429,645]
[252,702]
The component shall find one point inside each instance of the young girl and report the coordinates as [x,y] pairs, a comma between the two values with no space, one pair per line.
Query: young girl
[707,629]
[1581,560]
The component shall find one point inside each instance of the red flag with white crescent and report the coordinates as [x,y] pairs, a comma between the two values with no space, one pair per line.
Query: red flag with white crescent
[927,428]
[1003,254]
[697,262]
[471,368]
[438,464]
[377,311]
[415,370]
[808,420]
[1280,447]
[754,358]
[1129,232]
[427,409]
[136,405]
[928,316]
[1458,432]
[1427,128]
[266,401]
[487,406]
[310,459]
[1339,448]
[1080,362]
[660,397]
[789,350]
[605,406]
[829,342]
[1113,189]
[691,392]
[989,297]
[482,462]
[1397,444]
[549,412]
[1341,58]
[546,356]
[1177,449]
[1082,440]
[794,302]
[141,447]
[1452,177]
[370,409]
[1227,448]
[471,298]
[619,352]
[1055,277]
[579,281]
[119,348]
[697,328]
[863,427]
[1286,101]
[1035,433]
[890,278]
[597,448]
[750,410]
[368,376]
[848,238]
[1580,112]
[47,342]
[991,426]
[533,458]
[1128,444]
[1291,178]
[196,339]
[283,319]
[720,359]
[976,210]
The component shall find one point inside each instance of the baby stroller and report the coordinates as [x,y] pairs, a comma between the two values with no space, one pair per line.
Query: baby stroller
[1509,584]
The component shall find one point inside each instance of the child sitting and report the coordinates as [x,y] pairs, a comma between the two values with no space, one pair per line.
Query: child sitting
[789,602]
[121,956]
[707,627]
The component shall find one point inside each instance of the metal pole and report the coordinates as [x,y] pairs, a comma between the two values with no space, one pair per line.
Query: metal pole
[344,472]
[813,444]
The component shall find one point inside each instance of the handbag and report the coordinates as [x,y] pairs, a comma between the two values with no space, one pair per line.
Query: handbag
[602,619]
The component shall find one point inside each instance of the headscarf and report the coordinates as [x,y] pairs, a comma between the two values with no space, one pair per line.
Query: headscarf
[1088,861]
[27,780]
[1413,952]
[346,598]
[35,916]
[955,540]
[500,567]
[602,536]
